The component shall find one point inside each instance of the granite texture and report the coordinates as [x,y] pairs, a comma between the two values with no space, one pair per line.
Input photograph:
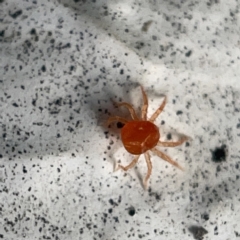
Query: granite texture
[62,65]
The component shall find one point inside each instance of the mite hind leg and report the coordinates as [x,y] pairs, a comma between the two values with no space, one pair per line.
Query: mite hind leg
[166,158]
[149,167]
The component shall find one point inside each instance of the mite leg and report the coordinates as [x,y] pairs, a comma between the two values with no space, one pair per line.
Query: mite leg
[172,144]
[130,109]
[116,119]
[166,158]
[158,111]
[145,105]
[131,165]
[149,166]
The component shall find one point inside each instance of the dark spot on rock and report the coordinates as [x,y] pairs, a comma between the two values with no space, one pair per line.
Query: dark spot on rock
[218,169]
[198,232]
[2,33]
[169,136]
[24,169]
[146,25]
[237,234]
[219,154]
[70,129]
[72,68]
[43,68]
[179,112]
[154,38]
[16,14]
[139,45]
[15,104]
[205,216]
[33,31]
[120,125]
[189,53]
[38,123]
[131,211]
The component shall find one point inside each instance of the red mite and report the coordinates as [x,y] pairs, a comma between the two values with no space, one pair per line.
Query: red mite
[141,135]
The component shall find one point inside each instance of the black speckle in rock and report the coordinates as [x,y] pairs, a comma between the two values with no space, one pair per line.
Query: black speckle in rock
[71,68]
[43,68]
[120,125]
[24,169]
[2,33]
[16,14]
[219,154]
[237,234]
[146,25]
[169,136]
[218,169]
[70,129]
[38,123]
[139,45]
[179,112]
[238,125]
[15,104]
[198,232]
[205,216]
[111,201]
[189,53]
[131,211]
[33,31]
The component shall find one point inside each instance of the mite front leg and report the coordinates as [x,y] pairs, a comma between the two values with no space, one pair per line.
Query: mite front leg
[116,119]
[145,105]
[130,109]
[158,111]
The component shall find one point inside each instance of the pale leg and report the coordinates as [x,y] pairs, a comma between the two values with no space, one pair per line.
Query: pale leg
[158,111]
[131,165]
[166,158]
[149,166]
[130,108]
[145,105]
[172,144]
[116,119]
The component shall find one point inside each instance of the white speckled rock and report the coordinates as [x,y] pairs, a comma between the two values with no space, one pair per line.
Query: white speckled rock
[61,65]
